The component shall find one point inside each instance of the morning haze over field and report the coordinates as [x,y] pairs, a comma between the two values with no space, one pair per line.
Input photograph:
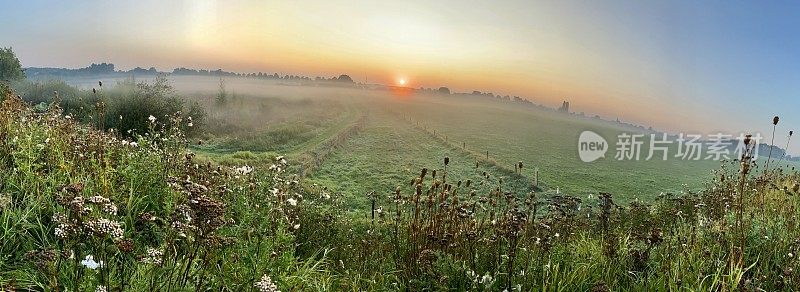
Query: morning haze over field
[399,146]
[678,65]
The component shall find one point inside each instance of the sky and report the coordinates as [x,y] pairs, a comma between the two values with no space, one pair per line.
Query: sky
[690,66]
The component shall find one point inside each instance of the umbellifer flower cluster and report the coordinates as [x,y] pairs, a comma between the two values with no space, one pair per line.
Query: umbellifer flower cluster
[266,285]
[102,227]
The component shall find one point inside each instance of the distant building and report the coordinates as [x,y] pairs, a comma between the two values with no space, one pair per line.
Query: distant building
[564,107]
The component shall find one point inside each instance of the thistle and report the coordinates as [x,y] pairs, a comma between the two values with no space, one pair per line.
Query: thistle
[772,143]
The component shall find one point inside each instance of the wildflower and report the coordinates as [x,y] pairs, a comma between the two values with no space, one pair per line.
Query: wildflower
[102,227]
[487,279]
[134,144]
[296,226]
[153,256]
[60,232]
[5,201]
[292,202]
[244,170]
[152,119]
[101,288]
[90,263]
[106,204]
[266,285]
[791,255]
[125,245]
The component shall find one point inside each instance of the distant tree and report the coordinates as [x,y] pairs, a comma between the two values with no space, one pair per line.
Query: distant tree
[345,78]
[444,90]
[10,67]
[222,95]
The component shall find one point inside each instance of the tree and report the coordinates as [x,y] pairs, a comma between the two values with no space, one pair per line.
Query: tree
[222,95]
[10,68]
[444,90]
[345,78]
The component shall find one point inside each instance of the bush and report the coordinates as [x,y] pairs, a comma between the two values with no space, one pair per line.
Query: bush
[126,107]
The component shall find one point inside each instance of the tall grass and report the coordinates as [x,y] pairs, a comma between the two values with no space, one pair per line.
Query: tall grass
[84,209]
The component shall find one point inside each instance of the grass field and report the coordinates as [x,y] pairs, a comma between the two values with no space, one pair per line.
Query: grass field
[548,141]
[389,151]
[307,124]
[84,210]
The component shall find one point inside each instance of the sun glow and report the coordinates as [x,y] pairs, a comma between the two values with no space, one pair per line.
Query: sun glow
[402,82]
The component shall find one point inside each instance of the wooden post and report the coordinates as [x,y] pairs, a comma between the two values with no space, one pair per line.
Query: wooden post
[536,177]
[464,145]
[487,154]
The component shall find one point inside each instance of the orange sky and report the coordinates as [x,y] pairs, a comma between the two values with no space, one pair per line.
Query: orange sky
[667,64]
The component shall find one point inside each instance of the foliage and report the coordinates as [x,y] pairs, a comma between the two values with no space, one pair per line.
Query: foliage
[10,67]
[125,107]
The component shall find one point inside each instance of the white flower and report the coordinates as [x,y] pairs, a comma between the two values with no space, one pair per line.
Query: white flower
[153,256]
[486,279]
[296,226]
[244,170]
[791,255]
[134,144]
[152,119]
[101,288]
[90,263]
[266,285]
[292,202]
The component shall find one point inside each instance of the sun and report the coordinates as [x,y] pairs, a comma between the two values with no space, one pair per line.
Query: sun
[401,82]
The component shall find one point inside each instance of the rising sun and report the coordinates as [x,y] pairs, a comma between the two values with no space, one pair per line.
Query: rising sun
[401,82]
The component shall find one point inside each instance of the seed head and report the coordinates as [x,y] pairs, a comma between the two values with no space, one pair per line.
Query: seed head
[775,120]
[446,160]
